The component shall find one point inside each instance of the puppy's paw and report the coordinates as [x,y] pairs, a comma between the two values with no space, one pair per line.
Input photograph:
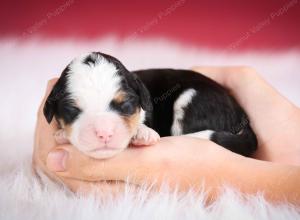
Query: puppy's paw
[145,136]
[60,137]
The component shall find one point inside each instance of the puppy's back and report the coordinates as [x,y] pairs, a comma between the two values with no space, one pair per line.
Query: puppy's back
[194,103]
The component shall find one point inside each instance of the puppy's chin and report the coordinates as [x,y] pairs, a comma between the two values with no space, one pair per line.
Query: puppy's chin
[103,153]
[100,151]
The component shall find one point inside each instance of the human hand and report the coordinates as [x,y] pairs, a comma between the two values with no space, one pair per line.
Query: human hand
[169,159]
[275,120]
[175,159]
[44,140]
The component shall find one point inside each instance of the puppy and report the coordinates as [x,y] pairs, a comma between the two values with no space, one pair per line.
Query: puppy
[101,108]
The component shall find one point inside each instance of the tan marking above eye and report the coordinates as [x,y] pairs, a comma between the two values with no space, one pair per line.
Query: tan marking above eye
[119,96]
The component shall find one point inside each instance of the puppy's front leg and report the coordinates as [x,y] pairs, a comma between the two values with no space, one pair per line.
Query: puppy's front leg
[145,136]
[61,137]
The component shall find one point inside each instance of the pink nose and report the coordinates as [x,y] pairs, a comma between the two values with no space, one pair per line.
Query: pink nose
[104,136]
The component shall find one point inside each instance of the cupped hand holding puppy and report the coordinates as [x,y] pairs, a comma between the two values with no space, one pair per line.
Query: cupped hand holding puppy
[187,162]
[172,158]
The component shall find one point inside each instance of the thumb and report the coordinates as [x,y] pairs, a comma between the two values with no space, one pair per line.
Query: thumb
[67,161]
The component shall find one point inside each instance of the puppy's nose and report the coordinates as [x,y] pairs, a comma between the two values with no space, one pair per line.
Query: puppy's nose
[104,136]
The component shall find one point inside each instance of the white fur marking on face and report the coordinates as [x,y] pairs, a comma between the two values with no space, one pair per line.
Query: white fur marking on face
[182,101]
[142,116]
[93,86]
[202,134]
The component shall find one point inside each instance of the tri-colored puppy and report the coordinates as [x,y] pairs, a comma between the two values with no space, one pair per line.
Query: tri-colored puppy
[102,107]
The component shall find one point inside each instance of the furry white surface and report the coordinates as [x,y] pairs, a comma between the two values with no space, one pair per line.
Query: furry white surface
[25,69]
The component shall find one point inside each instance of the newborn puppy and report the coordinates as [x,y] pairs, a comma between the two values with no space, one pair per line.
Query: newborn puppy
[101,108]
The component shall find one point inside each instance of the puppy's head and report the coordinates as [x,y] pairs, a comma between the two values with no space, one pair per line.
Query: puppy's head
[99,104]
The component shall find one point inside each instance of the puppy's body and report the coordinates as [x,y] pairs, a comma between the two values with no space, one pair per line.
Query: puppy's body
[185,102]
[102,107]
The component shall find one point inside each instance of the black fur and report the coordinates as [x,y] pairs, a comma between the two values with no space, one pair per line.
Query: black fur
[90,60]
[59,103]
[244,143]
[131,83]
[127,107]
[212,108]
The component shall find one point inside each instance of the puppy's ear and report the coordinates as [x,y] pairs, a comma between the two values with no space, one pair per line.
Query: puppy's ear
[51,102]
[57,93]
[142,91]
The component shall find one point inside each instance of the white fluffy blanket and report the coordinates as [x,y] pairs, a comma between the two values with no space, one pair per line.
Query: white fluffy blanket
[25,69]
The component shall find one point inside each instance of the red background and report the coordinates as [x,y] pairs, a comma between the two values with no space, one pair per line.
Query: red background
[216,24]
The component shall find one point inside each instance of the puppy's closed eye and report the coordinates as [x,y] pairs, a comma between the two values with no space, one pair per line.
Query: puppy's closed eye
[69,113]
[126,107]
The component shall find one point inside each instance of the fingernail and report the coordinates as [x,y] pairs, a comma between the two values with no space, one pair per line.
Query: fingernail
[56,160]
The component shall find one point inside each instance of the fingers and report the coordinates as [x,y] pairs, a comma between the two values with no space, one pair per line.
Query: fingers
[137,164]
[102,189]
[49,87]
[67,161]
[44,139]
[60,137]
[146,165]
[42,126]
[45,131]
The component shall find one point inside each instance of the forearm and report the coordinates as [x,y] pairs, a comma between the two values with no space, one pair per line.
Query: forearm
[187,162]
[215,167]
[277,182]
[277,120]
[258,97]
